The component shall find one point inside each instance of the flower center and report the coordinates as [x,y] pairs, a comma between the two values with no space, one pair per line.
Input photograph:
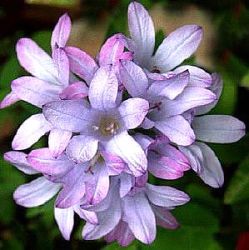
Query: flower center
[108,126]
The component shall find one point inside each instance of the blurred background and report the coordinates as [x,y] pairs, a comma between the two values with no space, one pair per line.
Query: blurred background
[214,219]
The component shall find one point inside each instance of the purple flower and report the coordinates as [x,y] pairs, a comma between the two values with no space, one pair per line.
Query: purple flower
[103,122]
[135,215]
[170,96]
[41,190]
[215,129]
[174,49]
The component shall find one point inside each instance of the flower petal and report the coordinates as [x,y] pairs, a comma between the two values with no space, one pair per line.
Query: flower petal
[142,32]
[103,89]
[212,173]
[133,78]
[133,155]
[69,115]
[165,196]
[36,192]
[81,63]
[82,148]
[164,218]
[170,87]
[107,219]
[122,234]
[177,129]
[58,140]
[218,128]
[140,217]
[133,112]
[76,90]
[61,32]
[112,50]
[9,99]
[191,97]
[177,46]
[88,216]
[35,91]
[30,132]
[62,63]
[44,161]
[36,61]
[73,188]
[198,76]
[216,88]
[65,220]
[19,160]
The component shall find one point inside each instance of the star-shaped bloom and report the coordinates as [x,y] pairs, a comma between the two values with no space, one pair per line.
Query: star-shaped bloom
[103,120]
[175,48]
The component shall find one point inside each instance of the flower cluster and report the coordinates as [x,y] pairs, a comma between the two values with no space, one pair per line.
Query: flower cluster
[111,122]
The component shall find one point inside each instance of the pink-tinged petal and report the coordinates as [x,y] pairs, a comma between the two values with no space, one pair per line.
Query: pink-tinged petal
[58,140]
[73,188]
[177,46]
[61,32]
[142,33]
[81,63]
[35,91]
[211,173]
[112,50]
[88,216]
[36,192]
[177,129]
[69,115]
[19,160]
[218,128]
[82,148]
[77,90]
[107,220]
[65,220]
[133,78]
[62,63]
[164,218]
[9,99]
[190,98]
[122,234]
[103,89]
[164,167]
[140,217]
[126,184]
[216,88]
[99,187]
[133,155]
[114,163]
[164,196]
[198,76]
[44,161]
[171,87]
[36,61]
[30,132]
[133,112]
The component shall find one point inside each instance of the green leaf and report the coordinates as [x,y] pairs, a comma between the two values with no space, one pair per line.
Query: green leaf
[228,99]
[245,81]
[10,71]
[10,179]
[238,189]
[116,246]
[42,38]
